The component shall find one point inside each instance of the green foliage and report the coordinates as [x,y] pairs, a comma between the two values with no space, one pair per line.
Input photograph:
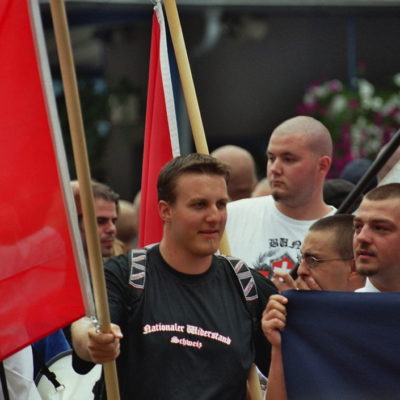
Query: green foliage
[360,120]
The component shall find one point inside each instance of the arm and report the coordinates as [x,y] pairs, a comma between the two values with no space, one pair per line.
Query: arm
[273,322]
[307,283]
[97,347]
[283,281]
[265,289]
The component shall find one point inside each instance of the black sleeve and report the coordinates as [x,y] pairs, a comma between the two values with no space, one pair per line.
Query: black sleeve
[116,272]
[265,288]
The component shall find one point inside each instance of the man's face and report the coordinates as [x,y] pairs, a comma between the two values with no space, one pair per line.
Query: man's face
[196,221]
[329,275]
[106,217]
[376,240]
[292,169]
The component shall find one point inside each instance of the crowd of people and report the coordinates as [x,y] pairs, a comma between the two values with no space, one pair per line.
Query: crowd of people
[189,322]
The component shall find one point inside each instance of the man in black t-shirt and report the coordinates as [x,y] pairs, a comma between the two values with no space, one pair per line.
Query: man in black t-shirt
[190,333]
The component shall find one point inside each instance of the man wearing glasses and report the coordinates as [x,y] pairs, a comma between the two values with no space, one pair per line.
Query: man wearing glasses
[376,254]
[326,259]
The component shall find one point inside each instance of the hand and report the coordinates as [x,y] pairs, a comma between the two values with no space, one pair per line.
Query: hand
[307,283]
[283,281]
[104,347]
[274,319]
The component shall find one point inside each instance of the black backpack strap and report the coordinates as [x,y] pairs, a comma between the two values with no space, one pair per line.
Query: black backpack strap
[4,381]
[44,370]
[248,285]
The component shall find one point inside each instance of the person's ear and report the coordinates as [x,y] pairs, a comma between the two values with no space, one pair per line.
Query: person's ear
[324,164]
[164,210]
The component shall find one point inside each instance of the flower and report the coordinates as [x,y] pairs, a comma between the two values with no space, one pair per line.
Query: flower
[361,119]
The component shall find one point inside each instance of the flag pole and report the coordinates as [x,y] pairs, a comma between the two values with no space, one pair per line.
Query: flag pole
[85,188]
[199,136]
[188,89]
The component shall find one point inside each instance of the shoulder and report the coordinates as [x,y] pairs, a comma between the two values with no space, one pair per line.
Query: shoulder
[117,272]
[248,211]
[249,203]
[115,264]
[122,264]
[264,285]
[332,211]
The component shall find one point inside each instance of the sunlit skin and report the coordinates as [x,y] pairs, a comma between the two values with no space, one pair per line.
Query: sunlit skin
[377,242]
[295,175]
[106,217]
[194,223]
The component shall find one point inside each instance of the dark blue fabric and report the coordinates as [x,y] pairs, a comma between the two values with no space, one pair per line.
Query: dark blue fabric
[342,346]
[47,348]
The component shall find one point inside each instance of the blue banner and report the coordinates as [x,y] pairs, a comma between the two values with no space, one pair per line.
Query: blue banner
[342,346]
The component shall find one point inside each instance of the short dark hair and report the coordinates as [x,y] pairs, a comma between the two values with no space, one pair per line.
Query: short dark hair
[384,192]
[102,191]
[336,191]
[342,225]
[192,163]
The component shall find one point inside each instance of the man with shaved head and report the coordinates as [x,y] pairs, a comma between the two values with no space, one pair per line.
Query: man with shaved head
[267,232]
[242,170]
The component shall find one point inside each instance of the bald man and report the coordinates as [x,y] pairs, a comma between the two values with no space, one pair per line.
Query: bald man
[242,169]
[267,232]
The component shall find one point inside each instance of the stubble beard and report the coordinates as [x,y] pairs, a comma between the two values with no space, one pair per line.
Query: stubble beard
[106,252]
[366,270]
[213,245]
[286,199]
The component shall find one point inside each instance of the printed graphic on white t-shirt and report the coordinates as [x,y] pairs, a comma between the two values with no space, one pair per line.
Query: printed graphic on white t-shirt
[263,237]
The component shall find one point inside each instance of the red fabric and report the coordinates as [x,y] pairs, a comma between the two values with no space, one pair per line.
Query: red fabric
[39,285]
[157,146]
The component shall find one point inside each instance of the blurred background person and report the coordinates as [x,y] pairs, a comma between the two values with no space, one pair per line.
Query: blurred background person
[335,192]
[242,169]
[127,225]
[262,188]
[106,210]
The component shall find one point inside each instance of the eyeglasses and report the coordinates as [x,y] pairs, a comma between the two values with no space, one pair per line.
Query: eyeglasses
[312,261]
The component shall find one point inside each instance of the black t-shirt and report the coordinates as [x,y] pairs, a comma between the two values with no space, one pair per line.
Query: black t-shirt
[186,336]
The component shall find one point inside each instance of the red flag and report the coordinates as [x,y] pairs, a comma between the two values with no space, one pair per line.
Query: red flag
[39,285]
[161,135]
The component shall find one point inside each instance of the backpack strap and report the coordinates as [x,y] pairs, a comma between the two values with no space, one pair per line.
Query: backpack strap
[245,278]
[248,285]
[137,277]
[4,381]
[44,370]
[137,261]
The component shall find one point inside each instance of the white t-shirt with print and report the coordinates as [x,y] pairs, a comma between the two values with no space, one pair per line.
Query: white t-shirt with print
[262,236]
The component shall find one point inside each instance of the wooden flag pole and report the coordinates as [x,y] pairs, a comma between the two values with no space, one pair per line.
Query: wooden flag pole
[188,89]
[199,136]
[189,92]
[64,50]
